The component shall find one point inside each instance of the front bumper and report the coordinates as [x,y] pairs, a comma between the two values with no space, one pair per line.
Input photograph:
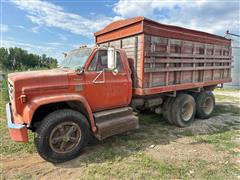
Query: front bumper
[18,132]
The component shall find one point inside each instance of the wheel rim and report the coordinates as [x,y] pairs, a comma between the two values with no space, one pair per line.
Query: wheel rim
[187,111]
[65,137]
[208,105]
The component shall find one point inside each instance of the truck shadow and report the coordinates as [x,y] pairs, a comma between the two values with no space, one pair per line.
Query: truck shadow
[154,131]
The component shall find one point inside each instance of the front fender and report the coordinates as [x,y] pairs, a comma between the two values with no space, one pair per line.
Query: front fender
[32,106]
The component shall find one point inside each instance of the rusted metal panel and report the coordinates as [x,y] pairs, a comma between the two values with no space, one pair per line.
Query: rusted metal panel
[119,24]
[131,26]
[162,30]
[120,33]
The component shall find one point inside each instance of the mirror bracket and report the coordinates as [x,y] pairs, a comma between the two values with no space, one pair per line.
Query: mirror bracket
[115,71]
[79,70]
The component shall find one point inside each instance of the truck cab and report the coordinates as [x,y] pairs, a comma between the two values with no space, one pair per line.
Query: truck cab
[88,94]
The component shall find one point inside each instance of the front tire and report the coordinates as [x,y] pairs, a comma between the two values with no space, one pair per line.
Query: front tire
[62,135]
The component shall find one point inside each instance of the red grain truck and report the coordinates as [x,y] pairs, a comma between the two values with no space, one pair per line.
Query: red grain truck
[138,64]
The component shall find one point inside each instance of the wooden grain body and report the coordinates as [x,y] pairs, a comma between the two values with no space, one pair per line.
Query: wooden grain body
[167,58]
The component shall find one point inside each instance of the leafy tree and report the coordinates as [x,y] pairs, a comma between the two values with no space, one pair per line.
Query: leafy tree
[13,59]
[3,58]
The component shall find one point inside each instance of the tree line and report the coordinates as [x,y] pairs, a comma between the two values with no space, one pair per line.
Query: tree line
[18,59]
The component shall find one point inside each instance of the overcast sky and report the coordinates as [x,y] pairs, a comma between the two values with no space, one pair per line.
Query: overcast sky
[57,26]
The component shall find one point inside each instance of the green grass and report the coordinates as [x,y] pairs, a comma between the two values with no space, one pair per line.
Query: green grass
[227,89]
[137,166]
[220,98]
[227,108]
[213,171]
[141,166]
[8,146]
[22,177]
[220,109]
[223,141]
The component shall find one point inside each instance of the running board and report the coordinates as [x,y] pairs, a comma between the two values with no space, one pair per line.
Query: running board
[116,121]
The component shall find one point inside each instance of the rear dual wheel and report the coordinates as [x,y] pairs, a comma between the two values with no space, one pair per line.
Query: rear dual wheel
[205,102]
[180,110]
[183,110]
[167,106]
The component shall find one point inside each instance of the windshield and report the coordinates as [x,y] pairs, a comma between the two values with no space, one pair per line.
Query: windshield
[76,58]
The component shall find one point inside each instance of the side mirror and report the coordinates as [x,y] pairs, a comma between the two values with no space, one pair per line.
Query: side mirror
[111,58]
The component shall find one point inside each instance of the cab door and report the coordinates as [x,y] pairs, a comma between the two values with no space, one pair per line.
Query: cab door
[104,88]
[121,84]
[97,88]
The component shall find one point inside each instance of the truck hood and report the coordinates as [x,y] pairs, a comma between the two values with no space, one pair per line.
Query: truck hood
[39,80]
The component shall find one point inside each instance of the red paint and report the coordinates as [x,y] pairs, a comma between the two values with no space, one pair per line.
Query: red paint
[59,85]
[123,28]
[19,135]
[164,89]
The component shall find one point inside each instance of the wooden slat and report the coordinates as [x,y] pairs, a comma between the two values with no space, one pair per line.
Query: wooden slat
[184,68]
[184,55]
[148,60]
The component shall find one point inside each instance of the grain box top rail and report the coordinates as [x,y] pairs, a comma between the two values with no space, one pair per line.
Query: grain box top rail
[132,26]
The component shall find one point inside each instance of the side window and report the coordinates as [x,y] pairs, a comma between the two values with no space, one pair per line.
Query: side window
[119,62]
[99,62]
[93,64]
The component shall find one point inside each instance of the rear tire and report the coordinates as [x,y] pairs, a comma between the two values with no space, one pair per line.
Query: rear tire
[183,110]
[167,109]
[62,135]
[205,102]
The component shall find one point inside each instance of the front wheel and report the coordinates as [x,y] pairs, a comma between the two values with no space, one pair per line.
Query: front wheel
[62,135]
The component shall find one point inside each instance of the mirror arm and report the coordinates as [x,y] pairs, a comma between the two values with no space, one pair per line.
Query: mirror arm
[80,70]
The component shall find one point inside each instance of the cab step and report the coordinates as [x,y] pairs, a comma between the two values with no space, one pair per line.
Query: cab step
[115,121]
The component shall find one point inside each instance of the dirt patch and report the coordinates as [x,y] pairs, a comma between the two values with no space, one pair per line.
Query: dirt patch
[212,125]
[33,166]
[184,149]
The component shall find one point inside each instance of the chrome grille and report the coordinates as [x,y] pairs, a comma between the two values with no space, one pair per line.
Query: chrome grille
[10,91]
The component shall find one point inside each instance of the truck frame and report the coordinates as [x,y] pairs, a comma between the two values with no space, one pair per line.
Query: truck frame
[138,64]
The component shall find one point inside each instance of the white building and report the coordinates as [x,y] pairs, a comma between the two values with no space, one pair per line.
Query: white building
[236,62]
